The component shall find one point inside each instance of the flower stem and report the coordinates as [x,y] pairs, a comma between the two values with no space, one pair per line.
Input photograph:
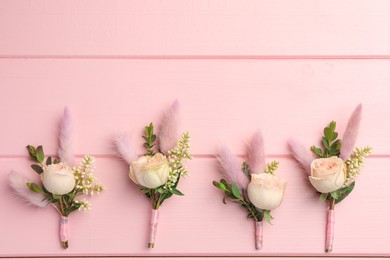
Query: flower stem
[330,227]
[64,232]
[62,206]
[153,228]
[259,235]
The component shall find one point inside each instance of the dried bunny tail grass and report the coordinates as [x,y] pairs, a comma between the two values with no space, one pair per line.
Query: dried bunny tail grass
[351,133]
[168,128]
[124,149]
[255,153]
[231,168]
[301,154]
[66,150]
[18,183]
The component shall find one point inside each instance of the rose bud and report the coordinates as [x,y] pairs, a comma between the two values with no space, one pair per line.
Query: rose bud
[328,174]
[266,191]
[150,171]
[58,179]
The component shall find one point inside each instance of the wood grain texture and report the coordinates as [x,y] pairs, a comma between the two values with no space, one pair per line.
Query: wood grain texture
[223,101]
[195,28]
[199,223]
[286,67]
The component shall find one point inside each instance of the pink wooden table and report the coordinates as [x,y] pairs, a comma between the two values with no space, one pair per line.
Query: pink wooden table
[287,67]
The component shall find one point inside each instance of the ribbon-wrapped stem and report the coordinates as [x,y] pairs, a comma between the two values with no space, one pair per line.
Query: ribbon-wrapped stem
[259,235]
[64,232]
[153,228]
[330,227]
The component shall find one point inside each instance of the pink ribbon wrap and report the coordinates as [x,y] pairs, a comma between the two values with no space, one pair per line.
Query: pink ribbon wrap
[64,231]
[329,231]
[153,227]
[259,235]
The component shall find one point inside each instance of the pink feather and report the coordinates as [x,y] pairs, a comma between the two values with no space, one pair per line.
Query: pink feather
[255,153]
[65,151]
[351,133]
[231,168]
[124,149]
[301,154]
[168,128]
[18,183]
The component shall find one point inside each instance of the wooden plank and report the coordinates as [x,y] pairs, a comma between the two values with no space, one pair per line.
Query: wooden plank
[223,101]
[198,224]
[195,28]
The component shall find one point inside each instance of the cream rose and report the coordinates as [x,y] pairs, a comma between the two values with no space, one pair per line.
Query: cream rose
[266,191]
[328,174]
[150,171]
[58,179]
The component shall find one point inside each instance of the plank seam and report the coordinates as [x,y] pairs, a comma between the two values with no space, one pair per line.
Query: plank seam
[196,156]
[198,57]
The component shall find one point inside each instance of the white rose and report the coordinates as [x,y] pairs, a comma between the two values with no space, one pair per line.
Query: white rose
[266,191]
[58,179]
[150,171]
[328,174]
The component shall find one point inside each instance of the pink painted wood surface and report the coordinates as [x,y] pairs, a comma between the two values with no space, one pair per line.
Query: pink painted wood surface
[223,101]
[199,224]
[193,28]
[230,64]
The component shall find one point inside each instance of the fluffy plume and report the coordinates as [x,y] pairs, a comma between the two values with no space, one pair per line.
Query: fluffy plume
[18,182]
[65,151]
[301,154]
[124,149]
[255,153]
[231,168]
[168,128]
[351,132]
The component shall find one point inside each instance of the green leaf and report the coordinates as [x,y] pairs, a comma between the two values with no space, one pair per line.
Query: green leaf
[39,154]
[38,169]
[31,151]
[176,192]
[323,196]
[328,133]
[236,191]
[335,194]
[317,151]
[34,187]
[48,161]
[161,190]
[145,190]
[344,192]
[332,126]
[267,216]
[219,185]
[325,142]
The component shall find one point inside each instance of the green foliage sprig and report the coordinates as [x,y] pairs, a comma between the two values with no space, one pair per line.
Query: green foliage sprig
[235,195]
[330,143]
[150,139]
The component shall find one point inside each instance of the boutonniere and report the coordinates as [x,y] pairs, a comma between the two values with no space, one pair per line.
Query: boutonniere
[62,186]
[334,170]
[253,185]
[159,170]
